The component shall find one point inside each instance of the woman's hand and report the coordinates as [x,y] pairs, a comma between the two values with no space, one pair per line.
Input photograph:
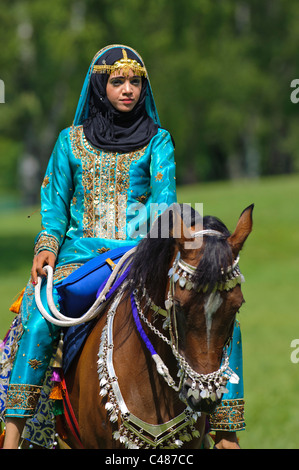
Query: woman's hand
[226,440]
[43,258]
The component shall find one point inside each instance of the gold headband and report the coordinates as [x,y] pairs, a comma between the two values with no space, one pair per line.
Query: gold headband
[123,64]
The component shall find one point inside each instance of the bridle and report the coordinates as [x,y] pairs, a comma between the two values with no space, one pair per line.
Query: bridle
[210,385]
[133,432]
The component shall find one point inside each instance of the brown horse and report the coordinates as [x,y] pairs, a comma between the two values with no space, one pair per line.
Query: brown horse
[154,364]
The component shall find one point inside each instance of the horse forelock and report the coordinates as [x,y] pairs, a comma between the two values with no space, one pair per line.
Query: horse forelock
[216,256]
[150,266]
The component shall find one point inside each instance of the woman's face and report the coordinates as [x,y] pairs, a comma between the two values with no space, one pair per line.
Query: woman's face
[123,90]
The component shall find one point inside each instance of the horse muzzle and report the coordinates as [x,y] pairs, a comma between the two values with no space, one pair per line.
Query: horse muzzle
[204,400]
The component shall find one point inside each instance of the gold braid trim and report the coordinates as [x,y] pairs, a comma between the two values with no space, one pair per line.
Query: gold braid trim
[46,242]
[22,397]
[229,416]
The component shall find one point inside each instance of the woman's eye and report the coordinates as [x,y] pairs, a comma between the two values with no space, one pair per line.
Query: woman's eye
[116,82]
[135,81]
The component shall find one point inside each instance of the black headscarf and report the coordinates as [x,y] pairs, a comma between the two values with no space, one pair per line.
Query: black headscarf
[109,129]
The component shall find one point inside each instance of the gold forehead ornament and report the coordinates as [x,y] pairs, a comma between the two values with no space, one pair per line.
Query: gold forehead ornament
[125,65]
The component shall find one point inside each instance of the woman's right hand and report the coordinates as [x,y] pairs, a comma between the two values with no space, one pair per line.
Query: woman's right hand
[40,260]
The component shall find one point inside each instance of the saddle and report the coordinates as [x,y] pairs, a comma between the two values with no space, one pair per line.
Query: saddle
[78,292]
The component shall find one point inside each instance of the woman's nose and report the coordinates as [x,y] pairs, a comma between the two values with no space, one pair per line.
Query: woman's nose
[127,87]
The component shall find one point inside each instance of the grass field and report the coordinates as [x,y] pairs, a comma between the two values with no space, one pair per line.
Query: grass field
[269,319]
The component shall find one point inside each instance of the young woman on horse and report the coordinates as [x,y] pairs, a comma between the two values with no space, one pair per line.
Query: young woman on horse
[113,157]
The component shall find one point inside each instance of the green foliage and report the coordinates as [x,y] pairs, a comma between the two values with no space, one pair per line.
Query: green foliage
[220,72]
[10,151]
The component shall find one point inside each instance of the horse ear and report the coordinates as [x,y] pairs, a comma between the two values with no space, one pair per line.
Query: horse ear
[180,231]
[243,229]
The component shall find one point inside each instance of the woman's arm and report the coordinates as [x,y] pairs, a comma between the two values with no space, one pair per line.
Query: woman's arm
[56,193]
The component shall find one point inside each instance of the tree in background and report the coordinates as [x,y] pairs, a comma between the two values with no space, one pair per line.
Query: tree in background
[221,74]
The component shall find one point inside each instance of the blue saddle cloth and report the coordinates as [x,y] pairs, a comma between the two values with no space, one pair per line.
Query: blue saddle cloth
[77,294]
[78,291]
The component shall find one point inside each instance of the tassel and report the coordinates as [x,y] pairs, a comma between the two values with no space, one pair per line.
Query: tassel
[15,307]
[56,376]
[2,436]
[58,358]
[56,393]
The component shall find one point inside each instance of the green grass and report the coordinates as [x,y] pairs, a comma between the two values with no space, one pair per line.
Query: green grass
[269,319]
[17,233]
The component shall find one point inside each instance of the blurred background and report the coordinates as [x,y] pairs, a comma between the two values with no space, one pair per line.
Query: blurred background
[222,74]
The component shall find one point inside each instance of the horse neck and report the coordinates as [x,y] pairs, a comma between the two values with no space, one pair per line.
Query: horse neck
[136,360]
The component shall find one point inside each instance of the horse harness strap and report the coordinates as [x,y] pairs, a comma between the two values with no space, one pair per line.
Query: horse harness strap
[70,415]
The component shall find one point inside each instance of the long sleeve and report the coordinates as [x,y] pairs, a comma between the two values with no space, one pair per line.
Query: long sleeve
[162,170]
[56,193]
[229,415]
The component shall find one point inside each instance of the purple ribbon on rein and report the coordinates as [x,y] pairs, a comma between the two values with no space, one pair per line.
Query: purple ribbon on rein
[139,327]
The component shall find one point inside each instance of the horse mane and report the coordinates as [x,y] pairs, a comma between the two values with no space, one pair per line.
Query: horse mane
[151,261]
[150,264]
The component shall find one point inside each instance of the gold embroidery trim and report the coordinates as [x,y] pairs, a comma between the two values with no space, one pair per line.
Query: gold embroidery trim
[61,272]
[106,180]
[22,397]
[46,242]
[229,416]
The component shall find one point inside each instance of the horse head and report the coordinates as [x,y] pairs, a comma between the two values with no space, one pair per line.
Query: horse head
[204,295]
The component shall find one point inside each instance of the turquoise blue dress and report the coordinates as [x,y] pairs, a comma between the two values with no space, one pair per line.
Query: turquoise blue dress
[90,202]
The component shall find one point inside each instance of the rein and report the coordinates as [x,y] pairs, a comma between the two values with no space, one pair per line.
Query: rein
[61,320]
